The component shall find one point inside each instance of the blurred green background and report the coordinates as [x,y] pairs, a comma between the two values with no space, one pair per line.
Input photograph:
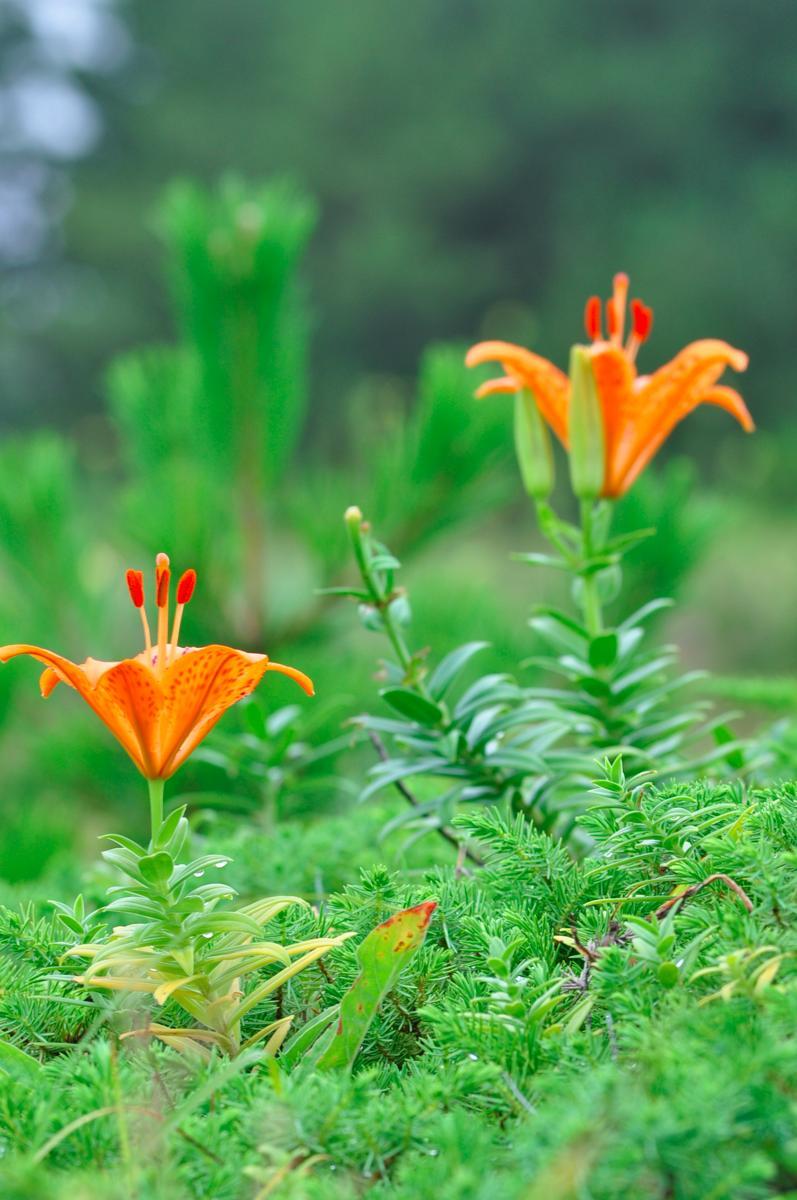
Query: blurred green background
[230,235]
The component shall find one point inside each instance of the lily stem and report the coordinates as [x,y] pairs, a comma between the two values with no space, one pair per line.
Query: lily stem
[155,806]
[590,595]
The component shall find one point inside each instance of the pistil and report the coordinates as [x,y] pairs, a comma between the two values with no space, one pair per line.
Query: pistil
[616,308]
[162,577]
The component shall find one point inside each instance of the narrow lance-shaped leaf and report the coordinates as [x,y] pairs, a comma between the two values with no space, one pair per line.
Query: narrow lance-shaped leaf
[382,957]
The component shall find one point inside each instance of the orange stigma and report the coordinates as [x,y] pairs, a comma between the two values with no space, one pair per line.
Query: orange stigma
[611,320]
[162,596]
[619,298]
[162,580]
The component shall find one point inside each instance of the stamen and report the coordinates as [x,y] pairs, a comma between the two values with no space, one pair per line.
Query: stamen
[162,578]
[592,318]
[135,586]
[641,325]
[185,590]
[642,317]
[618,303]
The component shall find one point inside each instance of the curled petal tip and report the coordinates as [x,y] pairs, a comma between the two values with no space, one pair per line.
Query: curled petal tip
[484,352]
[505,386]
[304,681]
[475,356]
[48,680]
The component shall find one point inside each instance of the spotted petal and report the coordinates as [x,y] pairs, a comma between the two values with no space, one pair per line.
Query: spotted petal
[673,392]
[160,719]
[546,382]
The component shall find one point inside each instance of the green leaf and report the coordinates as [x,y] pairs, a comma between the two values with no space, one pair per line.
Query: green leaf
[384,562]
[724,736]
[541,560]
[603,651]
[594,687]
[299,1046]
[447,670]
[19,1065]
[412,705]
[357,593]
[383,955]
[170,825]
[156,868]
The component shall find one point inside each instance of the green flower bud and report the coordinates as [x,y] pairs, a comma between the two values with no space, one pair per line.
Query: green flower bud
[533,447]
[585,428]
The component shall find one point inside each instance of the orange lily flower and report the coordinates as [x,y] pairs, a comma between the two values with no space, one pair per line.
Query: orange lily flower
[161,703]
[639,411]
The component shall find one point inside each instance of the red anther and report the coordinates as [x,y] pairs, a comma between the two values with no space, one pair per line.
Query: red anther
[185,588]
[162,597]
[620,281]
[592,318]
[642,318]
[135,586]
[611,318]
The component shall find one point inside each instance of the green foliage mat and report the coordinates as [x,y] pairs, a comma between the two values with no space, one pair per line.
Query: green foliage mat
[566,1031]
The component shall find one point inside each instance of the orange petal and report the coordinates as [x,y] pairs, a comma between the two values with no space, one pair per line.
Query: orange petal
[304,681]
[663,400]
[63,669]
[549,385]
[198,688]
[503,386]
[48,681]
[100,686]
[127,697]
[729,399]
[614,378]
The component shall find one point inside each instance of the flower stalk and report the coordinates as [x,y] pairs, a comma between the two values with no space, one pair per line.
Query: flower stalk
[156,787]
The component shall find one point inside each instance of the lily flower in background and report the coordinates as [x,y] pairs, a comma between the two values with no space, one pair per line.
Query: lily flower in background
[638,412]
[161,703]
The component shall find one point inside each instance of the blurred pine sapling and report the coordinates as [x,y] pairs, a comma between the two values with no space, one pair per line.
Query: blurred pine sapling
[215,426]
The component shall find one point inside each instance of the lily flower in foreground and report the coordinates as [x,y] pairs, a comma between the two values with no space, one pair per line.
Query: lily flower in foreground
[638,412]
[161,703]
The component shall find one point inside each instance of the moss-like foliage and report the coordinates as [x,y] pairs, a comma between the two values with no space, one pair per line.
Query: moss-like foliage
[566,1030]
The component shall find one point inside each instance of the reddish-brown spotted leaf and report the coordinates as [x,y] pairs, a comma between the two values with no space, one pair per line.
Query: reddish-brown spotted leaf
[382,957]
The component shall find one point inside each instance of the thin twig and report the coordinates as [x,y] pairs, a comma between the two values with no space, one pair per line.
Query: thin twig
[402,788]
[616,937]
[687,893]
